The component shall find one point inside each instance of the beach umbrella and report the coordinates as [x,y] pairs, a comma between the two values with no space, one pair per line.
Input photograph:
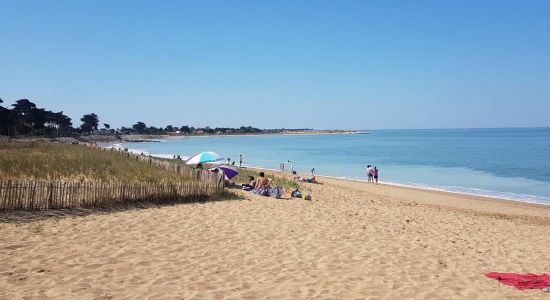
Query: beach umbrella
[204,157]
[227,171]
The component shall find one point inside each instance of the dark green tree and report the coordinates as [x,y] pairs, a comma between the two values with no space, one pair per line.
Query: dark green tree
[89,122]
[5,119]
[208,130]
[63,121]
[58,123]
[22,116]
[185,129]
[39,118]
[126,130]
[153,130]
[139,127]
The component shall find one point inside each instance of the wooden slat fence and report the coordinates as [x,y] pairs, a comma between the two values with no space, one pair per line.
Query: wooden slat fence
[57,194]
[43,194]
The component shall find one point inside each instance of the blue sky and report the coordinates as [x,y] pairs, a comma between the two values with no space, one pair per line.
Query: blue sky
[272,64]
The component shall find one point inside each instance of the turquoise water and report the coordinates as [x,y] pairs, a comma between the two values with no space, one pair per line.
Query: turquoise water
[504,163]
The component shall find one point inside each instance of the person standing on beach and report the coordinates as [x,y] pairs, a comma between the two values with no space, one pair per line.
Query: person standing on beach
[369,173]
[313,172]
[375,174]
[240,160]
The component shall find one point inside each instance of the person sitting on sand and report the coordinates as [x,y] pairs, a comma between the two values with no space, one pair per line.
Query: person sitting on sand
[262,182]
[251,183]
[199,167]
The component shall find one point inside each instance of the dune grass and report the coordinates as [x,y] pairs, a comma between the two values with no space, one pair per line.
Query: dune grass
[45,160]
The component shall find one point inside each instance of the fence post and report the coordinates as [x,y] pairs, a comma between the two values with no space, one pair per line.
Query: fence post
[32,195]
[50,195]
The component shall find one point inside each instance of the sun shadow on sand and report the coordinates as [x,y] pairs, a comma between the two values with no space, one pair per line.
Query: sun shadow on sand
[19,216]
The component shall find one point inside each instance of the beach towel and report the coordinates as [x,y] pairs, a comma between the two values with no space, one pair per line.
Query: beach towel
[522,281]
[264,192]
[276,192]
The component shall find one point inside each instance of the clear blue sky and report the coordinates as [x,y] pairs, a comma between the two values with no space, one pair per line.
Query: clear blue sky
[320,64]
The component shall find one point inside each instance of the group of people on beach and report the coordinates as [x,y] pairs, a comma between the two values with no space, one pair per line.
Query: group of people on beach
[229,162]
[372,174]
[262,186]
[282,166]
[257,184]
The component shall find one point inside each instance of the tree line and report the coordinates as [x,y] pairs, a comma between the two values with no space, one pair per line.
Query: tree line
[25,118]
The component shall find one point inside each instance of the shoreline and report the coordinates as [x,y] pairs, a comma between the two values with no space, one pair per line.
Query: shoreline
[504,196]
[388,183]
[478,204]
[412,187]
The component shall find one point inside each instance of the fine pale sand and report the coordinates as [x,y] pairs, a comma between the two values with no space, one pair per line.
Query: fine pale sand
[353,241]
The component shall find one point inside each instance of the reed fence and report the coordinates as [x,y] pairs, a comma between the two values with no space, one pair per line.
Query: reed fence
[57,194]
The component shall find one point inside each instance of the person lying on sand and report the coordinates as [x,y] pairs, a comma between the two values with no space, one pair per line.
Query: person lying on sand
[308,180]
[262,182]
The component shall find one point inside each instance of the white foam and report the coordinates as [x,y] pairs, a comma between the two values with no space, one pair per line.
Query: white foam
[461,190]
[449,189]
[169,156]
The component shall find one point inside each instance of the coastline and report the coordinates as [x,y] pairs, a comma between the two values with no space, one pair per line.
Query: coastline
[353,240]
[140,138]
[301,133]
[483,193]
[470,175]
[132,138]
[412,187]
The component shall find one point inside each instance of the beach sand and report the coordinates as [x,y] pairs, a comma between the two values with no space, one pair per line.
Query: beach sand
[353,241]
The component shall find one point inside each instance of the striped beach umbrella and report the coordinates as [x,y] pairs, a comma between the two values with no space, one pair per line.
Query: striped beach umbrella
[204,157]
[227,171]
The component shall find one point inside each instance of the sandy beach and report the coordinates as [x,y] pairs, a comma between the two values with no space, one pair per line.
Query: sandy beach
[353,241]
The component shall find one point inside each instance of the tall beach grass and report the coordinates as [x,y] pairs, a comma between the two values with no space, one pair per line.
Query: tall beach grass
[46,160]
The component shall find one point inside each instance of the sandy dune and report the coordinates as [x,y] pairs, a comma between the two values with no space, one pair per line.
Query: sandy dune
[353,241]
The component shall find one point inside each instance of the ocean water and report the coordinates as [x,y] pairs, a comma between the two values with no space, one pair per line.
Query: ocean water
[504,163]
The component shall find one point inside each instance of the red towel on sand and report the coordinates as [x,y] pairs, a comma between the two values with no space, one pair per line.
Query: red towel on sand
[522,282]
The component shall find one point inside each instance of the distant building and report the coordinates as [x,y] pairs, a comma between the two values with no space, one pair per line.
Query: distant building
[177,132]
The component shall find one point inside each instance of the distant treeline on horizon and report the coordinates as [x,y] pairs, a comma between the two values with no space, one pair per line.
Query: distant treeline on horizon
[25,118]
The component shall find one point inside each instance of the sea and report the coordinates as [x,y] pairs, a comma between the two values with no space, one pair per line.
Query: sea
[506,163]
